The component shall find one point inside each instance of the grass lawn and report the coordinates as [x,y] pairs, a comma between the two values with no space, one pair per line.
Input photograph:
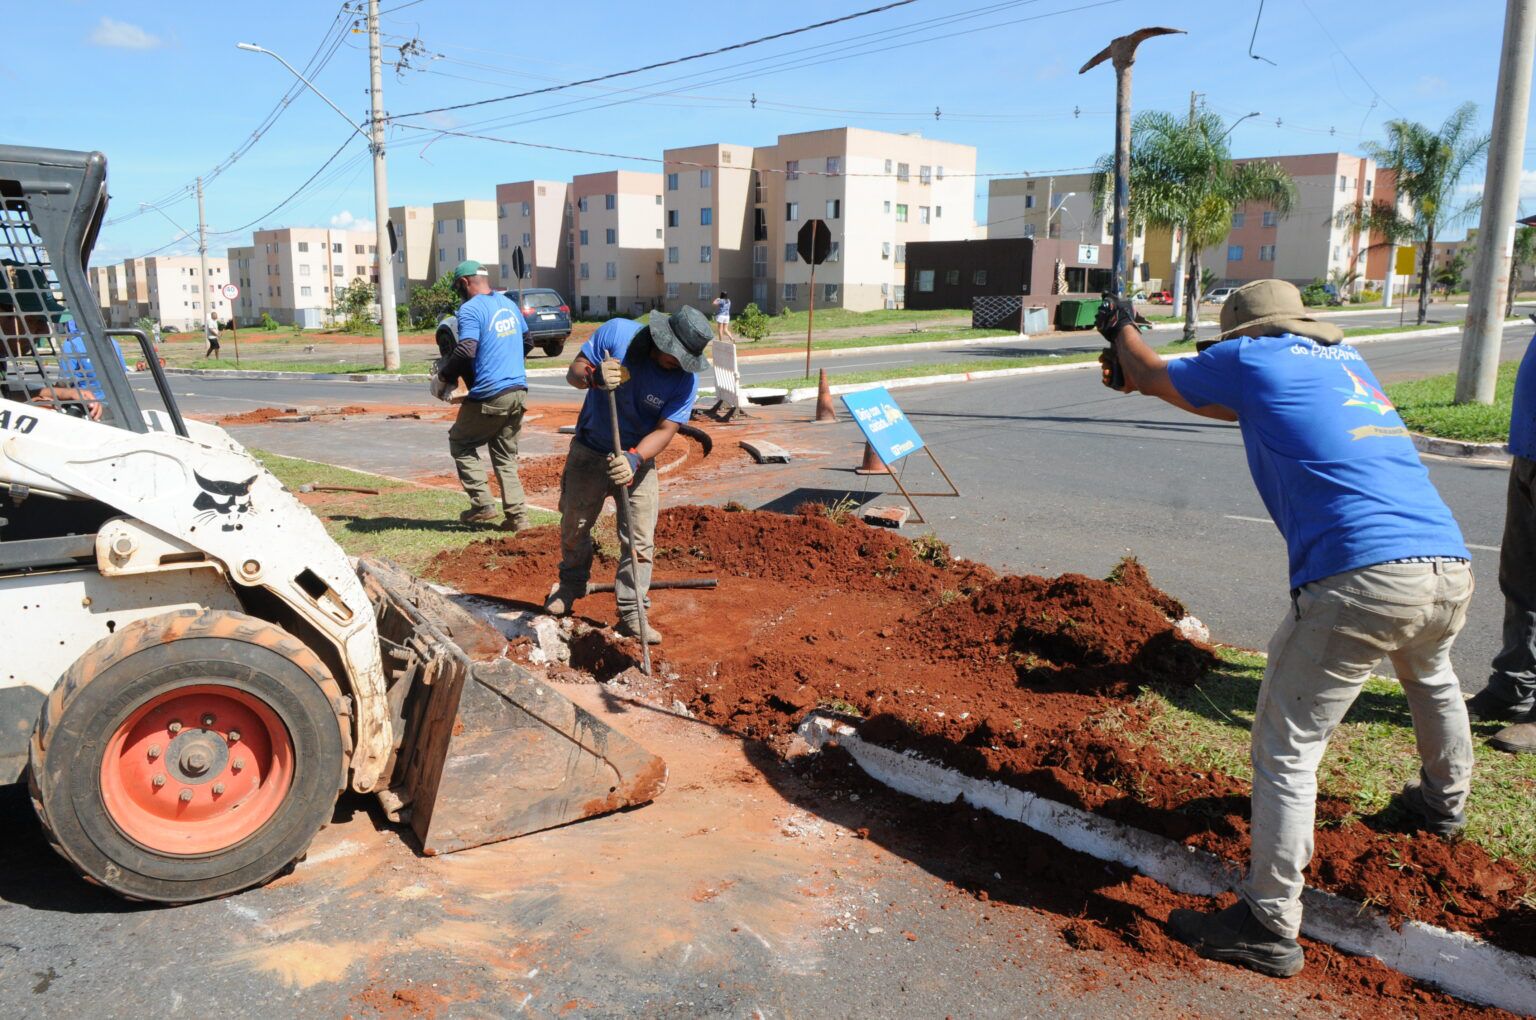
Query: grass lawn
[407,523]
[1426,406]
[880,340]
[840,318]
[1369,759]
[326,367]
[1381,330]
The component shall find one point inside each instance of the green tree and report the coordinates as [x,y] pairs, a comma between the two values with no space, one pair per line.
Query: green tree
[1183,179]
[1524,254]
[1451,272]
[353,303]
[268,323]
[752,323]
[1427,167]
[429,304]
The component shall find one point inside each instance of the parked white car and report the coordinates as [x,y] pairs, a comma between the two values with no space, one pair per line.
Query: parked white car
[1218,294]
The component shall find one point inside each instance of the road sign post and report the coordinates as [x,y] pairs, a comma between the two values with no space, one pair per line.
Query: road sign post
[814,243]
[889,432]
[230,292]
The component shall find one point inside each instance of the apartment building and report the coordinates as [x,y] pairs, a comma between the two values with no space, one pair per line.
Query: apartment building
[1309,243]
[712,222]
[536,216]
[179,296]
[465,229]
[617,218]
[242,273]
[297,271]
[129,294]
[414,263]
[100,278]
[1061,208]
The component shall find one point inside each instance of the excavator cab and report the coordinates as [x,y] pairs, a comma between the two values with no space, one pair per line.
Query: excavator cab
[193,669]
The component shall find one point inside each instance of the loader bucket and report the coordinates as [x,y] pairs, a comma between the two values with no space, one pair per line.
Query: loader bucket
[484,751]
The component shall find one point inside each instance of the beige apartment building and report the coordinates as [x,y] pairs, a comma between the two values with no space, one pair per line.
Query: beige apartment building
[297,271]
[465,229]
[712,219]
[179,298]
[414,263]
[536,216]
[128,293]
[101,288]
[1060,208]
[618,252]
[242,260]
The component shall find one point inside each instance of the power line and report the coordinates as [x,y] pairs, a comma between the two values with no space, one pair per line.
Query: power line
[667,63]
[1340,50]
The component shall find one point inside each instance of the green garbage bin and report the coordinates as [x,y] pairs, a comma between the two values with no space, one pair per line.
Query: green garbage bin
[1075,313]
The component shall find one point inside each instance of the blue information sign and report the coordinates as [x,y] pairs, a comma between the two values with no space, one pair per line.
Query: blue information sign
[883,423]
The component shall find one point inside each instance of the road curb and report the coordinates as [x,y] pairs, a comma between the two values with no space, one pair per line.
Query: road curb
[363,377]
[1462,965]
[1458,448]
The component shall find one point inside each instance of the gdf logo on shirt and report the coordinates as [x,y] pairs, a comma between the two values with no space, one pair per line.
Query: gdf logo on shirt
[504,323]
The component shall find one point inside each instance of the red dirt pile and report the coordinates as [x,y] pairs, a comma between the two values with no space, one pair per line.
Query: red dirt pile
[1026,680]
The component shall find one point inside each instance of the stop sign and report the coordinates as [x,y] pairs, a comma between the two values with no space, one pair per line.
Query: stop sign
[815,242]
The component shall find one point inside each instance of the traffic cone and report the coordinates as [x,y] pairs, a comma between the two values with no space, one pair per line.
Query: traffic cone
[824,410]
[872,463]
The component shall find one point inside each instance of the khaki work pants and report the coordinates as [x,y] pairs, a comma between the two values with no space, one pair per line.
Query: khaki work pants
[495,424]
[583,488]
[1339,629]
[1514,668]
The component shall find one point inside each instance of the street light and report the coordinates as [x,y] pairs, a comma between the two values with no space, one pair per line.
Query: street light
[1235,123]
[253,48]
[1052,212]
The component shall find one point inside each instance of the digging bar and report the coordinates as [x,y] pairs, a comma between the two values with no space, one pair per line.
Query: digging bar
[629,517]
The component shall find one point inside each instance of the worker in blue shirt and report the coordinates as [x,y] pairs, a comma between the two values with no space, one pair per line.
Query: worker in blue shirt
[654,371]
[1511,691]
[1378,569]
[489,355]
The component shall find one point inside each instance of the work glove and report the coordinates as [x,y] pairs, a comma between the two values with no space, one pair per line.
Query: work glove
[622,468]
[440,387]
[609,375]
[1114,315]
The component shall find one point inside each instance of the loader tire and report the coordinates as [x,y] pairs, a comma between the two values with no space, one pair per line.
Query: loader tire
[188,756]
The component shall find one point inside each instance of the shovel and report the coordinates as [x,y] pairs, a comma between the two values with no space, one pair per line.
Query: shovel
[634,559]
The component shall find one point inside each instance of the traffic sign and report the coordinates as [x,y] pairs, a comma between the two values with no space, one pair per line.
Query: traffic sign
[230,291]
[519,264]
[815,242]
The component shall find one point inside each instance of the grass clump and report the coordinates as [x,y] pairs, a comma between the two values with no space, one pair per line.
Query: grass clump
[1428,406]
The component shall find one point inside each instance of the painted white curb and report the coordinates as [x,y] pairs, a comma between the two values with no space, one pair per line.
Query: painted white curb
[1462,965]
[1458,448]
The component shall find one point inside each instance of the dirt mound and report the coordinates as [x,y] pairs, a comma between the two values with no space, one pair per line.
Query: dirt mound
[1026,680]
[259,416]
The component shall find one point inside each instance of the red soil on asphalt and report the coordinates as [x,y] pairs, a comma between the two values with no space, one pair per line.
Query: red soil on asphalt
[1027,680]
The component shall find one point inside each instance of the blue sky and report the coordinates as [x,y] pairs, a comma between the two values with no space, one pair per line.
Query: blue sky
[166,95]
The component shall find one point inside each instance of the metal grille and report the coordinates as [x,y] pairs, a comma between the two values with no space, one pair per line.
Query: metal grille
[1000,311]
[44,355]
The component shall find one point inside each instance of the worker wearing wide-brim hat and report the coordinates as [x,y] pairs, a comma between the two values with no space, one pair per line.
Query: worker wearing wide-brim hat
[1378,569]
[653,370]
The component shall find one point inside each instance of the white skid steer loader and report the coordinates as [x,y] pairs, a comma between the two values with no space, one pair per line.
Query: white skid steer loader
[191,670]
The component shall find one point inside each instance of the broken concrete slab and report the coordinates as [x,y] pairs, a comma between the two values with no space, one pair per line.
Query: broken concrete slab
[765,452]
[886,516]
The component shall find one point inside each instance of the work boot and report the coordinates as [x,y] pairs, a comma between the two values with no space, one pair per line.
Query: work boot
[1430,819]
[630,627]
[479,515]
[1517,739]
[1235,936]
[515,522]
[561,601]
[1488,705]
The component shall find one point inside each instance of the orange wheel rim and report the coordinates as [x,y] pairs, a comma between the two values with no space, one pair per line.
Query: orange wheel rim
[196,770]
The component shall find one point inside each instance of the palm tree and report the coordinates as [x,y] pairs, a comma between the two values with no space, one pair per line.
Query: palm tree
[1183,178]
[1428,167]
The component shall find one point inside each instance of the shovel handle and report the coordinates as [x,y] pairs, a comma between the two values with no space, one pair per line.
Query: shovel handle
[629,524]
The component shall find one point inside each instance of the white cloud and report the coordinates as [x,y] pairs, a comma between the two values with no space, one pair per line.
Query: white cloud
[344,220]
[123,36]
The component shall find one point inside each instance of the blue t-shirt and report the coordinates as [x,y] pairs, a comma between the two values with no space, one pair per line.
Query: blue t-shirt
[1330,456]
[78,370]
[1522,418]
[651,395]
[496,325]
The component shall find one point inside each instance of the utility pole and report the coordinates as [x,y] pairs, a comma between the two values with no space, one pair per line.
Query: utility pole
[1484,329]
[1050,191]
[388,325]
[205,306]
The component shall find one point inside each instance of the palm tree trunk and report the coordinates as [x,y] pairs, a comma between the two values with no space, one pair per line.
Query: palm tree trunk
[1192,295]
[1425,256]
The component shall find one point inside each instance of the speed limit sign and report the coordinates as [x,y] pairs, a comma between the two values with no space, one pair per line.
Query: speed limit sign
[231,291]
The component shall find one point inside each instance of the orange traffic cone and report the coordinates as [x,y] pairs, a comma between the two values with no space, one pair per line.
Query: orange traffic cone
[824,410]
[872,465]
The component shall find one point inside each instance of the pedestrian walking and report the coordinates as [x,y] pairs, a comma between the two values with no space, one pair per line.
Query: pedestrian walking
[1511,691]
[653,370]
[1378,569]
[488,356]
[211,331]
[723,318]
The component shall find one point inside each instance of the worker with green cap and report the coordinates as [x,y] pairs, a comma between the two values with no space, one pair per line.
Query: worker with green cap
[489,358]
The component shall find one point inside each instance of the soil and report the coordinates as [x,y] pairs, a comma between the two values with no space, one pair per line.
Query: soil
[261,415]
[1026,680]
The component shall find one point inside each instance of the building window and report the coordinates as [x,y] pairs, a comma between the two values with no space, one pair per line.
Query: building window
[304,292]
[759,262]
[658,199]
[671,186]
[503,240]
[359,270]
[885,249]
[440,225]
[461,254]
[887,207]
[336,270]
[672,254]
[940,173]
[706,253]
[901,213]
[922,214]
[1269,217]
[792,170]
[835,252]
[901,253]
[829,292]
[357,249]
[672,291]
[925,174]
[834,208]
[951,277]
[834,165]
[658,233]
[526,209]
[1029,201]
[705,289]
[506,274]
[582,235]
[979,278]
[1343,183]
[903,172]
[303,270]
[1367,187]
[611,236]
[586,271]
[671,217]
[611,271]
[581,203]
[1235,252]
[791,253]
[586,304]
[1266,253]
[790,291]
[527,240]
[925,281]
[501,211]
[901,293]
[703,178]
[706,216]
[610,201]
[658,267]
[1238,220]
[303,246]
[757,187]
[791,211]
